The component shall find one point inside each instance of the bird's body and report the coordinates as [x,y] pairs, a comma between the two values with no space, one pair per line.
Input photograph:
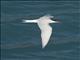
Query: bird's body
[46,29]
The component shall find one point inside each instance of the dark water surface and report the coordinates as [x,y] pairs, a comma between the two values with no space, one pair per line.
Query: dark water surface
[22,41]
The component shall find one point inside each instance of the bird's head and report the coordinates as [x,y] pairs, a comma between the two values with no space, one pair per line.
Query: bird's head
[49,19]
[52,21]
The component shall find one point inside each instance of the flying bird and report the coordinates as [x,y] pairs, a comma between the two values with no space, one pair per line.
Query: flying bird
[46,30]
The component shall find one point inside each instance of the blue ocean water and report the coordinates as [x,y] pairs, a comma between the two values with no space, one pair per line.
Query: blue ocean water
[22,41]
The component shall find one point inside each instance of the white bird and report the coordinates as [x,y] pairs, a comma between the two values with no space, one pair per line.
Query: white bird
[46,30]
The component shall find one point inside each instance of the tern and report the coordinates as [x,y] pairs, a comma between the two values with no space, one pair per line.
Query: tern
[46,30]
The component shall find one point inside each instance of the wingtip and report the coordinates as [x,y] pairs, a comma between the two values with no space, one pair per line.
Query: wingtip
[43,46]
[24,21]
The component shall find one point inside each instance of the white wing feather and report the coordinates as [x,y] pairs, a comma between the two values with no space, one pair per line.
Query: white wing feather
[46,32]
[45,35]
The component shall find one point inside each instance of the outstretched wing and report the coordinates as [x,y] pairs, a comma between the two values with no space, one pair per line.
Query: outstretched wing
[46,32]
[45,35]
[30,21]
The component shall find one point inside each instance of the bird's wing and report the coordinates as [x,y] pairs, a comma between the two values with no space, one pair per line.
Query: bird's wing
[30,21]
[46,32]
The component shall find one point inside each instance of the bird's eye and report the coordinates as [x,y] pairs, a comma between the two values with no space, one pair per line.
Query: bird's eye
[53,19]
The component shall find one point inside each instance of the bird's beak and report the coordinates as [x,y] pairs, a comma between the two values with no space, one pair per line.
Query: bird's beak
[56,21]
